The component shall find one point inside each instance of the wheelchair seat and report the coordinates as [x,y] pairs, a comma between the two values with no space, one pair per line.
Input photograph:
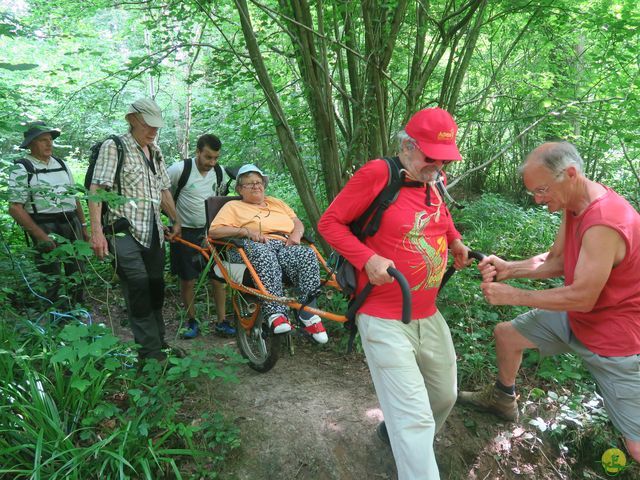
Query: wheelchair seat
[237,271]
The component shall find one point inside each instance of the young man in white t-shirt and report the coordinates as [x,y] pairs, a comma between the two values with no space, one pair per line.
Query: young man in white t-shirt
[203,181]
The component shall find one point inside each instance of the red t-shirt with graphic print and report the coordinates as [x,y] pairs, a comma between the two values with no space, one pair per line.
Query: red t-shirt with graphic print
[412,234]
[612,327]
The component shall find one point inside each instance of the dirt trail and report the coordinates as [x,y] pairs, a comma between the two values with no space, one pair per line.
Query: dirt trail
[313,417]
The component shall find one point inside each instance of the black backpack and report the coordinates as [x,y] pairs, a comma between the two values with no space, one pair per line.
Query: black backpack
[88,177]
[221,190]
[31,171]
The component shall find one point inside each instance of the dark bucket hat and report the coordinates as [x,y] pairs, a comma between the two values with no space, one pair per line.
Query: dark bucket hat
[35,129]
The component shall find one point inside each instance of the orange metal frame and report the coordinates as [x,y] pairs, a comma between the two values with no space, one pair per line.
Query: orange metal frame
[260,291]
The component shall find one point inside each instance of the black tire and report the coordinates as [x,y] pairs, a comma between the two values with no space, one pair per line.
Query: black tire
[259,345]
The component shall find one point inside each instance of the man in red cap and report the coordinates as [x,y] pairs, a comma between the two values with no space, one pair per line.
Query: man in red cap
[413,366]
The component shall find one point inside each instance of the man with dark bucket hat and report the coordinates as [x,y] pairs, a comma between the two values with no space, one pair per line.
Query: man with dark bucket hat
[133,232]
[413,366]
[42,202]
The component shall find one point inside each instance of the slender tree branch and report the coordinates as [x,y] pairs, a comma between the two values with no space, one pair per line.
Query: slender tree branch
[555,112]
[629,161]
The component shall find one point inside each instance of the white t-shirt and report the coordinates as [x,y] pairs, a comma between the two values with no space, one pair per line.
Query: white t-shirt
[52,191]
[198,188]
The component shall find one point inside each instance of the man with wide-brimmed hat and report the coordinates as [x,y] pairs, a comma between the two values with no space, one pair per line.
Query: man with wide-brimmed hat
[413,366]
[42,201]
[134,229]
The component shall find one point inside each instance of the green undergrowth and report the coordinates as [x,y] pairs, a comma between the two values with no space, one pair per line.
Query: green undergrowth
[75,405]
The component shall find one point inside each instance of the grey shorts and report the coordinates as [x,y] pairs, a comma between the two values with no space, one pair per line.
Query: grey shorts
[617,377]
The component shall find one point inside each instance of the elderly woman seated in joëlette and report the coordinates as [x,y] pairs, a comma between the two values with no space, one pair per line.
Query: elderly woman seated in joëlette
[272,233]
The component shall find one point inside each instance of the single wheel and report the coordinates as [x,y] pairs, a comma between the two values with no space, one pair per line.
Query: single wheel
[258,344]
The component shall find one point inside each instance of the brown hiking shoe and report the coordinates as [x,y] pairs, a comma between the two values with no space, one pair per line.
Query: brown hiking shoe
[492,400]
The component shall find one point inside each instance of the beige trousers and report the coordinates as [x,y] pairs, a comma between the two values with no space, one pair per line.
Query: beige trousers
[413,368]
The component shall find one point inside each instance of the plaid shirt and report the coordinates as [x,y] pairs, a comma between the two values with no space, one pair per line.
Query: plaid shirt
[140,186]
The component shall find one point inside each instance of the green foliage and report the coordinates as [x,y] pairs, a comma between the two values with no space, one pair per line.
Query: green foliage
[538,71]
[73,407]
[495,225]
[492,225]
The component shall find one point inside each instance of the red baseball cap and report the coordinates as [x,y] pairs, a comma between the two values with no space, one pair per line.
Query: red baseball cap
[434,129]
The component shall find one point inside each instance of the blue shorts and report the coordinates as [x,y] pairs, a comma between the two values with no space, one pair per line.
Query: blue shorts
[617,377]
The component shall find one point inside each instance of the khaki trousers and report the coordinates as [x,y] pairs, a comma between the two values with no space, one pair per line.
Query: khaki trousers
[413,368]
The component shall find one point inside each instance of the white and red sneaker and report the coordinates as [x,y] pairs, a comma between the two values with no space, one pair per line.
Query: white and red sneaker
[314,327]
[279,323]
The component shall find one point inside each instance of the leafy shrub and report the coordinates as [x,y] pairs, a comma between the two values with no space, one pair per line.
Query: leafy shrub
[73,407]
[493,224]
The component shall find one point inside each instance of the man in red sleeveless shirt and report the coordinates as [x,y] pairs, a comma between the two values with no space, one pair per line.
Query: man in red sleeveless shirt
[596,314]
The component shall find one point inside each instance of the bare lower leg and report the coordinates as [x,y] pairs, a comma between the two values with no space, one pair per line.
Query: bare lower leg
[509,347]
[633,447]
[220,297]
[187,293]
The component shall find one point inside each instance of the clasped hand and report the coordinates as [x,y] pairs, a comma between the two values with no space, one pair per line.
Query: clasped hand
[493,269]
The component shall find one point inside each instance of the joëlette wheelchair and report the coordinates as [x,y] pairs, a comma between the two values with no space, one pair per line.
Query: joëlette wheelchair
[255,340]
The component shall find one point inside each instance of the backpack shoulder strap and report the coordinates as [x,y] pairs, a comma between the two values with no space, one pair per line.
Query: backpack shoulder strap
[369,222]
[28,166]
[218,169]
[120,147]
[184,176]
[62,164]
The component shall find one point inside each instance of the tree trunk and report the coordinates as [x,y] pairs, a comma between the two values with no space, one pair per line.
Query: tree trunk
[290,151]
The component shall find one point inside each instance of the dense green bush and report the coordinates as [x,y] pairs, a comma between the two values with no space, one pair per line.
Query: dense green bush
[73,407]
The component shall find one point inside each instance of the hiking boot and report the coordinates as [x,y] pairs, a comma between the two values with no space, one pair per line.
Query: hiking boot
[383,434]
[192,330]
[491,399]
[225,329]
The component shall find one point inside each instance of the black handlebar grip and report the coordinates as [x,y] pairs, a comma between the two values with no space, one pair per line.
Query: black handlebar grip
[404,288]
[476,255]
[406,293]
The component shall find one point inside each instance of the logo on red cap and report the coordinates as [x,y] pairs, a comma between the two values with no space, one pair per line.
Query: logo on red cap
[434,130]
[450,135]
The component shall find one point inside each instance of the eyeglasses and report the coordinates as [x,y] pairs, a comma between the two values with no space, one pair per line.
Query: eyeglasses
[252,185]
[427,159]
[540,191]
